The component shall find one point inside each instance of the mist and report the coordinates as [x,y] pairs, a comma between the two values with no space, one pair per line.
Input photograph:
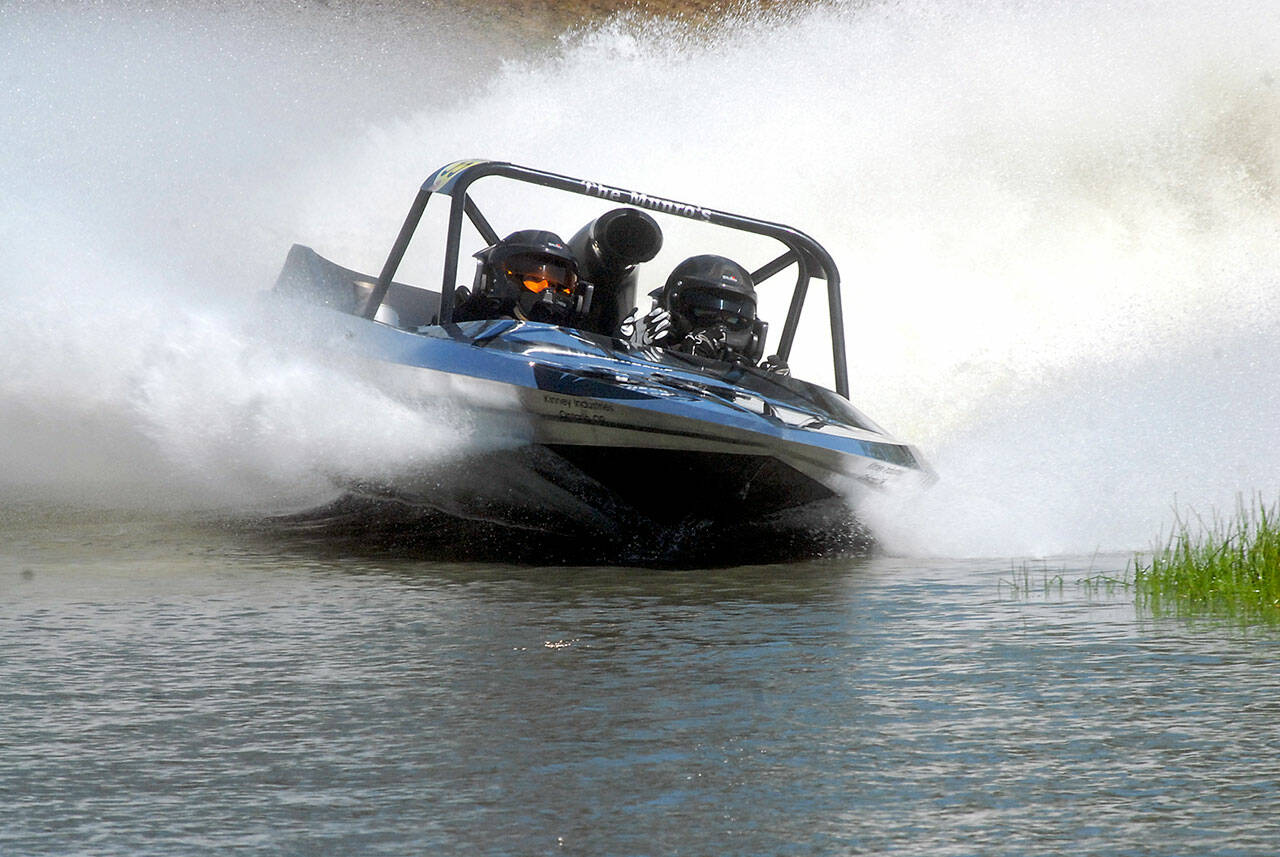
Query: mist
[1056,223]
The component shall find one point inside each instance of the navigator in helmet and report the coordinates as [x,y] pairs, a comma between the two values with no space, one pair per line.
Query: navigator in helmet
[529,275]
[706,308]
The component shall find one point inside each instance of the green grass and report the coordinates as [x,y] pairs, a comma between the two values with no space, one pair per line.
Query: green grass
[1022,583]
[1032,577]
[1221,566]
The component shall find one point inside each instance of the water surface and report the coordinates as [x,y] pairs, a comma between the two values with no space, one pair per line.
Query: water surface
[1056,225]
[170,687]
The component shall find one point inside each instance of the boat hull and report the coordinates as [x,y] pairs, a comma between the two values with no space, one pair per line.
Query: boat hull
[572,435]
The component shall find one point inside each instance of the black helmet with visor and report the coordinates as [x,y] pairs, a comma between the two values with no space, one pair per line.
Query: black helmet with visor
[709,292]
[533,276]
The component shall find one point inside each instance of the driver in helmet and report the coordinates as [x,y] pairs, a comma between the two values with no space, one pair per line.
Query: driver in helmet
[707,308]
[530,275]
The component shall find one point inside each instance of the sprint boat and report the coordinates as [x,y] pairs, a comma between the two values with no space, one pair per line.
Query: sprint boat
[585,435]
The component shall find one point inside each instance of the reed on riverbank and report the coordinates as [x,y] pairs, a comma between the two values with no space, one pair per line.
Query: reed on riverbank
[1223,566]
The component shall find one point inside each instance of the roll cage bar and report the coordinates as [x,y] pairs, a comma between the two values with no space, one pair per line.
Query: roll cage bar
[810,258]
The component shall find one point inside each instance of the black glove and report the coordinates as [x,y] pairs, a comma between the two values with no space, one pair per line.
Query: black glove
[709,342]
[775,364]
[653,329]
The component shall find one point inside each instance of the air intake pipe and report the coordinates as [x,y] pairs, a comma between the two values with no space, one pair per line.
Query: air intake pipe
[608,249]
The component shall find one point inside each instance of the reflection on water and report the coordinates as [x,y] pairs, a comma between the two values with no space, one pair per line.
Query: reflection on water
[391,529]
[167,687]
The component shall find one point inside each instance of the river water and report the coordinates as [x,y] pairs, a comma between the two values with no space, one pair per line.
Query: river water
[167,688]
[1057,224]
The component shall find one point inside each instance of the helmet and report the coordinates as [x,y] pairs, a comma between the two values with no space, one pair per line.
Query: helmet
[714,295]
[705,291]
[532,275]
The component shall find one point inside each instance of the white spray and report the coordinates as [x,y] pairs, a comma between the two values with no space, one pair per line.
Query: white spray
[1056,223]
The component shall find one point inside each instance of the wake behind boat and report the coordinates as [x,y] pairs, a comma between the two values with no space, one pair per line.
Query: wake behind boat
[603,423]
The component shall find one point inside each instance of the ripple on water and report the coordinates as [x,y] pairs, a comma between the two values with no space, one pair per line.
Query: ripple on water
[236,699]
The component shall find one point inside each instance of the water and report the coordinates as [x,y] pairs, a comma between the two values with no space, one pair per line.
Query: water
[189,691]
[1056,222]
[1058,227]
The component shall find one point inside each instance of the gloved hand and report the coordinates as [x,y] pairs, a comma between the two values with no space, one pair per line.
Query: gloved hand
[775,364]
[627,329]
[709,342]
[653,329]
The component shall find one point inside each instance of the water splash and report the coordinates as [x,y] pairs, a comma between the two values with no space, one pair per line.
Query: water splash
[158,155]
[1057,223]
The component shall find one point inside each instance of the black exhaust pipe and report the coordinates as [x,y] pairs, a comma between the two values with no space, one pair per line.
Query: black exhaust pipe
[608,249]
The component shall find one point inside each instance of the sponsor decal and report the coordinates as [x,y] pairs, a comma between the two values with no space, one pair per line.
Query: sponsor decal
[581,410]
[643,200]
[448,173]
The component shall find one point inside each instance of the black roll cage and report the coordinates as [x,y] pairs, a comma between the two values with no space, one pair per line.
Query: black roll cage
[810,258]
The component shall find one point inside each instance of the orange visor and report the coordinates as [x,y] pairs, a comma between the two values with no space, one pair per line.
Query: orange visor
[539,274]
